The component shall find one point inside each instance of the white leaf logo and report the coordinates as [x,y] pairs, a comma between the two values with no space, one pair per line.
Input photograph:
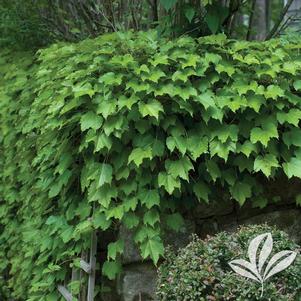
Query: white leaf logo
[253,269]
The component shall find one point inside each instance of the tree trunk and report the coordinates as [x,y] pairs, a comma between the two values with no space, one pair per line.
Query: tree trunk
[294,12]
[259,24]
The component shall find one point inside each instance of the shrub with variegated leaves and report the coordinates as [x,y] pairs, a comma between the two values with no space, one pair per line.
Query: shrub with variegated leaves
[201,271]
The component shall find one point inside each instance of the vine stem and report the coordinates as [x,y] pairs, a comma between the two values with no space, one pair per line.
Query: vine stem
[261,289]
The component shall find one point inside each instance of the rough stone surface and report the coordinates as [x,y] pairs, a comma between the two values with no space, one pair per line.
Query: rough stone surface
[207,227]
[138,283]
[227,223]
[109,291]
[214,208]
[180,239]
[286,220]
[174,239]
[131,252]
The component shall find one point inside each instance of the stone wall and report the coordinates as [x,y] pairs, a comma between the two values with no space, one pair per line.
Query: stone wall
[138,280]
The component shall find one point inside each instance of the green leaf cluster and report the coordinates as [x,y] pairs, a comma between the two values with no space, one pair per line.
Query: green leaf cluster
[129,129]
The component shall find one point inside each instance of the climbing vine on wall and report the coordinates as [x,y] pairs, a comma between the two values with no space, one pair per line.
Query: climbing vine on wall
[128,129]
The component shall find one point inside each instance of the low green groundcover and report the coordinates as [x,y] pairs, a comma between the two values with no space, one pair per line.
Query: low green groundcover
[201,271]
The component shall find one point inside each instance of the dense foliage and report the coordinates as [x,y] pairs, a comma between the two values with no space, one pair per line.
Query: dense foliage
[32,24]
[127,129]
[201,270]
[21,26]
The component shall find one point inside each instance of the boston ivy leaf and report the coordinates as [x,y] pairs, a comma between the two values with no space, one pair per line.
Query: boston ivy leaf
[179,168]
[111,269]
[111,79]
[83,228]
[197,145]
[151,217]
[292,117]
[154,76]
[174,221]
[72,104]
[103,195]
[240,191]
[100,221]
[103,141]
[116,212]
[213,170]
[290,67]
[293,168]
[229,176]
[178,142]
[206,99]
[122,60]
[213,113]
[225,132]
[292,98]
[142,68]
[128,102]
[152,108]
[107,108]
[159,58]
[226,67]
[221,149]
[191,60]
[139,154]
[115,248]
[62,181]
[128,186]
[264,134]
[105,174]
[130,203]
[201,191]
[90,120]
[255,102]
[158,148]
[243,163]
[144,233]
[169,182]
[137,86]
[153,248]
[149,198]
[66,235]
[292,137]
[83,89]
[273,92]
[259,202]
[247,148]
[265,164]
[251,59]
[297,85]
[130,220]
[187,92]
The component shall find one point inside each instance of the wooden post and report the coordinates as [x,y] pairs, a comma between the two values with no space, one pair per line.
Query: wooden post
[87,268]
[65,293]
[83,288]
[91,282]
[75,277]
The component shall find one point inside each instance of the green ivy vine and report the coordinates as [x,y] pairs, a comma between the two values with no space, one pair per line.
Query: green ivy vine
[127,128]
